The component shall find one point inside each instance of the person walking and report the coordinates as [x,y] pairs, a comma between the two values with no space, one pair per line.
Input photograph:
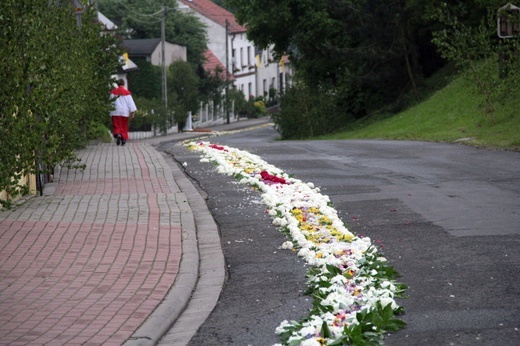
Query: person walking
[124,107]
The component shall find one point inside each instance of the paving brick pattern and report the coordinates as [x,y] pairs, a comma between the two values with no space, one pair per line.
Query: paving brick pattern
[88,264]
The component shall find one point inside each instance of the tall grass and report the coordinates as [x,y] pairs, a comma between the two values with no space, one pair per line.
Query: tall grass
[453,113]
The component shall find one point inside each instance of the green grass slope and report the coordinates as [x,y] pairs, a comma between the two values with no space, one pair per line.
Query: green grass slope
[451,114]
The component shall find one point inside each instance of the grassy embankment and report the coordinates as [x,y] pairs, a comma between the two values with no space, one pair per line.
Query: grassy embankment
[452,113]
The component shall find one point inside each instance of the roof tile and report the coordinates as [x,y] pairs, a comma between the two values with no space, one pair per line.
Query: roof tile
[211,64]
[216,13]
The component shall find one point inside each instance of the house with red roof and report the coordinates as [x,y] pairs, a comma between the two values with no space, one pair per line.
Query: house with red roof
[253,71]
[213,65]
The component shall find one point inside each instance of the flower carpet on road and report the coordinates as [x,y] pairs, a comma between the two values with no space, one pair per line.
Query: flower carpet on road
[352,286]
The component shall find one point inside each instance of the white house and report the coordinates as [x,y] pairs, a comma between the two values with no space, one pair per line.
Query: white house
[272,73]
[254,71]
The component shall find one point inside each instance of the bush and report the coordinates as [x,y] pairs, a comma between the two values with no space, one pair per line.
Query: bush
[99,131]
[237,98]
[307,113]
[149,114]
[141,121]
[273,97]
[259,109]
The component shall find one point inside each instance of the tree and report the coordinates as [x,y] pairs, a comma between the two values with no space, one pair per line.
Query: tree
[146,81]
[51,92]
[363,50]
[212,85]
[183,84]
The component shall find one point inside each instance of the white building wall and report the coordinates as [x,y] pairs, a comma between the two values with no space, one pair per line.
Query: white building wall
[172,52]
[216,38]
[268,74]
[242,63]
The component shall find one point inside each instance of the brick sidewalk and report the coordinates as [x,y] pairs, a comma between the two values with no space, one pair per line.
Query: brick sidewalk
[88,264]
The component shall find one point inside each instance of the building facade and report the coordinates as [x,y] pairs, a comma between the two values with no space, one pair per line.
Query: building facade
[151,50]
[254,71]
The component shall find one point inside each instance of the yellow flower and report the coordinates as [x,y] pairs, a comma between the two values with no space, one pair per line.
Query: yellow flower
[296,212]
[325,220]
[347,237]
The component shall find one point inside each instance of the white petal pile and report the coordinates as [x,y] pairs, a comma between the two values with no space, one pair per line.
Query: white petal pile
[319,236]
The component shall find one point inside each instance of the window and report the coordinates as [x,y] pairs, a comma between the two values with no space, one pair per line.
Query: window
[234,61]
[249,56]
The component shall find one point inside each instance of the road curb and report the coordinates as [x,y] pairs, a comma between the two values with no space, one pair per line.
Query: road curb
[175,302]
[212,272]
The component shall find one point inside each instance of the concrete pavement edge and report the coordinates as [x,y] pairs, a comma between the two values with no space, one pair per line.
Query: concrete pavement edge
[212,270]
[201,274]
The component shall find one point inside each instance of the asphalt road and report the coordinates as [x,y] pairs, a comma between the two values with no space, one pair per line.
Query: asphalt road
[446,216]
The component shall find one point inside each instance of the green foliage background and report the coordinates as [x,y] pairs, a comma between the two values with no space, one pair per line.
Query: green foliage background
[373,56]
[306,113]
[183,90]
[55,82]
[146,81]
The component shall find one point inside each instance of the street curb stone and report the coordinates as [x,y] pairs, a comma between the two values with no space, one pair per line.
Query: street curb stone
[201,274]
[177,298]
[212,273]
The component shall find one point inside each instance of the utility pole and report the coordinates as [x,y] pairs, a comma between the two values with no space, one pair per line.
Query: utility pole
[164,86]
[78,9]
[227,71]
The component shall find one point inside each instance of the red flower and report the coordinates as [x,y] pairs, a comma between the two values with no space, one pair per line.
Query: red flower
[266,177]
[218,147]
